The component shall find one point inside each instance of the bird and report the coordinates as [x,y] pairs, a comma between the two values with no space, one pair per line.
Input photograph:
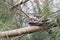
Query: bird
[35,22]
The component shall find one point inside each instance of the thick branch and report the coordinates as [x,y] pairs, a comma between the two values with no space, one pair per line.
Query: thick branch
[26,30]
[20,31]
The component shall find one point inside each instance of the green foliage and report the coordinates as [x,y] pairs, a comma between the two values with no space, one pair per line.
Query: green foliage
[46,11]
[5,18]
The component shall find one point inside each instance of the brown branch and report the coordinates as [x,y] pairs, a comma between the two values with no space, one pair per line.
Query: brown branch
[23,12]
[17,4]
[20,31]
[27,30]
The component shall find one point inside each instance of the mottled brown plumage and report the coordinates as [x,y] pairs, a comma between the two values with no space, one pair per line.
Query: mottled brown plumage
[35,22]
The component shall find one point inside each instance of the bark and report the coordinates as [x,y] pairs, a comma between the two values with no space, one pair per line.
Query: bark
[26,30]
[20,31]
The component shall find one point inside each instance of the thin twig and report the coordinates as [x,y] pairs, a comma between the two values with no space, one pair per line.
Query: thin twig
[19,3]
[45,6]
[18,9]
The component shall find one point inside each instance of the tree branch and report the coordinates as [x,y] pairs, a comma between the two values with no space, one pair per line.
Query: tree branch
[20,31]
[17,9]
[19,3]
[26,30]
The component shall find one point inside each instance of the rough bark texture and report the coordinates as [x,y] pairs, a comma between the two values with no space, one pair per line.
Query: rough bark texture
[20,31]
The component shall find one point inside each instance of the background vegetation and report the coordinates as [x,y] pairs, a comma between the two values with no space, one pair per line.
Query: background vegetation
[13,19]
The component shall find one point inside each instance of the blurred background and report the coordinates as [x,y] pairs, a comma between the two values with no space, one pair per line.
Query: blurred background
[13,18]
